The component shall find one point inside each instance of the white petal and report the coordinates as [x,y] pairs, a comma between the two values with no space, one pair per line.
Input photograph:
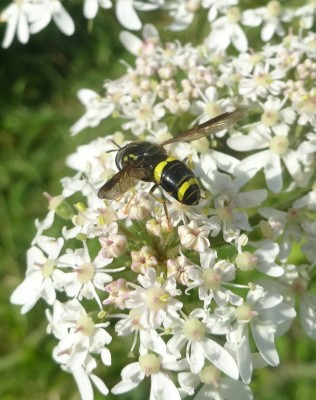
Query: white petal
[273,173]
[239,39]
[244,359]
[23,29]
[64,21]
[268,31]
[308,314]
[224,161]
[124,386]
[291,161]
[196,359]
[220,357]
[162,387]
[83,383]
[244,142]
[106,356]
[90,8]
[234,390]
[11,14]
[126,15]
[131,42]
[250,199]
[28,290]
[100,385]
[264,338]
[48,291]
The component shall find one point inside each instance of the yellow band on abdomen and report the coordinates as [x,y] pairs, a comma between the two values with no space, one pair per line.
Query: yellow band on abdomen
[184,187]
[160,167]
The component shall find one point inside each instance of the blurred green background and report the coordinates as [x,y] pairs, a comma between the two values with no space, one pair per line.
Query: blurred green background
[38,104]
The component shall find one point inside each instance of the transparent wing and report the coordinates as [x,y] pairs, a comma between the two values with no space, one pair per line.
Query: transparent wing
[211,126]
[121,182]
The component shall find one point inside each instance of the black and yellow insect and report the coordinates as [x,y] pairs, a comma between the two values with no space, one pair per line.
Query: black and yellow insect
[150,162]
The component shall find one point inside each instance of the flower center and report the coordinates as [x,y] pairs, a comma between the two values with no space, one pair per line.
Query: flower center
[212,109]
[155,298]
[85,273]
[246,261]
[267,230]
[149,364]
[48,268]
[212,280]
[263,79]
[245,312]
[210,375]
[233,15]
[270,118]
[274,8]
[279,145]
[224,213]
[194,330]
[85,325]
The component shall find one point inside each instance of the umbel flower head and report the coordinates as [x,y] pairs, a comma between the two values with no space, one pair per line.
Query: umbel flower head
[201,291]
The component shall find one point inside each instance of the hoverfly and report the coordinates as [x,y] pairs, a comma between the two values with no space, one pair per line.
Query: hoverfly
[150,162]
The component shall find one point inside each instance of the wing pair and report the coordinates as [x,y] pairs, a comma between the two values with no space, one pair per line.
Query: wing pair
[129,176]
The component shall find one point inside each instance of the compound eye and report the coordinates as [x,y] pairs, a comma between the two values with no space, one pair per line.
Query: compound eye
[119,159]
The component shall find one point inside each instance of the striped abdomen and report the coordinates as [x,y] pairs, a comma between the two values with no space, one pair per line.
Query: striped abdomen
[178,180]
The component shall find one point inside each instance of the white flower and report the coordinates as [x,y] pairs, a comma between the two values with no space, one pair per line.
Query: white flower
[83,336]
[269,160]
[307,14]
[305,104]
[192,333]
[277,118]
[87,275]
[209,106]
[42,277]
[293,286]
[262,82]
[182,12]
[52,9]
[264,312]
[216,6]
[271,17]
[210,280]
[16,16]
[180,269]
[155,302]
[286,225]
[156,367]
[143,113]
[213,385]
[97,109]
[194,237]
[225,31]
[229,203]
[262,259]
[84,378]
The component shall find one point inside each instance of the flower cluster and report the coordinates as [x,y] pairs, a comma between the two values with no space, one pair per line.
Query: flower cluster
[204,290]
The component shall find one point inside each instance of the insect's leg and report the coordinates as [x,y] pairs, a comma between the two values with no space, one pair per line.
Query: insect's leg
[188,160]
[151,192]
[163,201]
[128,204]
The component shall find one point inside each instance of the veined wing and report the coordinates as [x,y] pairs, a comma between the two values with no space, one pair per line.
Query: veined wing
[121,182]
[211,126]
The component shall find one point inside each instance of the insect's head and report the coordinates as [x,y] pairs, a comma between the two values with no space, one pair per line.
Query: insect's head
[126,155]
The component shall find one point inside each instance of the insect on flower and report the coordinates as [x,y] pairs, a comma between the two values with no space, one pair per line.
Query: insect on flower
[150,162]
